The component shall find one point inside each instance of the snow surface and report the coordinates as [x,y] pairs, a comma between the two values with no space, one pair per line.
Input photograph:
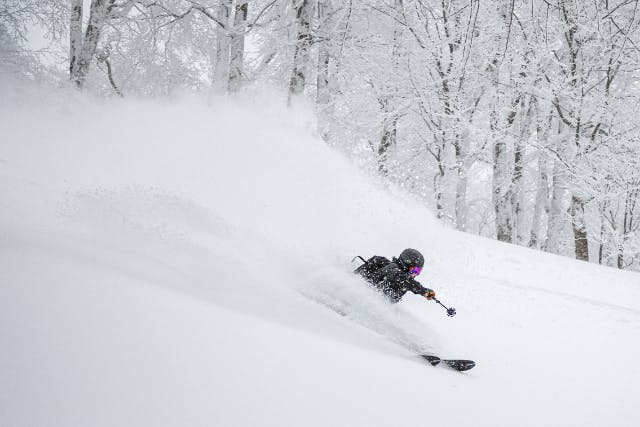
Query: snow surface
[187,264]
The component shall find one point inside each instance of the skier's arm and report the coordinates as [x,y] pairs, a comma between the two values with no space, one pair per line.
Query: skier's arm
[418,289]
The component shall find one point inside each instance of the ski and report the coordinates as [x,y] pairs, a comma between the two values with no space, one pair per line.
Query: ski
[457,364]
[460,365]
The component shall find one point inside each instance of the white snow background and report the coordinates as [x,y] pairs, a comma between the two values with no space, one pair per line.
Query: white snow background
[187,263]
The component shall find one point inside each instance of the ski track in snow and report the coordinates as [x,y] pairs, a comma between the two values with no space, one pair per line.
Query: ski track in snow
[571,298]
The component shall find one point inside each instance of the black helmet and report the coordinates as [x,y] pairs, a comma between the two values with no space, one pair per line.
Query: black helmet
[411,258]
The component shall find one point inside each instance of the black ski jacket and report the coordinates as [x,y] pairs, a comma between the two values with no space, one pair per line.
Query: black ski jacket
[394,282]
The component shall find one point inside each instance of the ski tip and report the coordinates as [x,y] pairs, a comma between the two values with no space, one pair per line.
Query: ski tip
[434,360]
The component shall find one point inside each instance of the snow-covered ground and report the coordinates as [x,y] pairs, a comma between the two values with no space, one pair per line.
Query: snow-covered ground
[182,264]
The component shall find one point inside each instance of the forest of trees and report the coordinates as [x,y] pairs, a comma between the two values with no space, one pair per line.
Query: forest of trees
[515,119]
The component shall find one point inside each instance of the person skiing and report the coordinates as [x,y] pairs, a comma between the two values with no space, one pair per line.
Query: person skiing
[396,277]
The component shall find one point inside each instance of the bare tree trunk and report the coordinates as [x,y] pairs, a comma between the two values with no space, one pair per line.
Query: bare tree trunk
[221,70]
[112,82]
[323,97]
[502,178]
[501,200]
[542,207]
[576,82]
[559,188]
[324,11]
[516,192]
[390,121]
[460,147]
[517,187]
[602,208]
[630,224]
[389,137]
[75,38]
[237,46]
[537,239]
[97,17]
[437,186]
[323,94]
[579,229]
[557,213]
[304,16]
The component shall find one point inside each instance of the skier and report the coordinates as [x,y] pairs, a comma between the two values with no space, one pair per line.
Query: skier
[394,278]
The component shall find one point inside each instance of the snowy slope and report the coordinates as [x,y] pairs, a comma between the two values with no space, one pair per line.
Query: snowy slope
[175,264]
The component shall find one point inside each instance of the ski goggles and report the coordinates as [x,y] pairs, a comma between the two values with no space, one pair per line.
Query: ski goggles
[415,270]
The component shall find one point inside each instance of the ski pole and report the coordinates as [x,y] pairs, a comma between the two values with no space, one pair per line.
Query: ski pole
[450,311]
[358,256]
